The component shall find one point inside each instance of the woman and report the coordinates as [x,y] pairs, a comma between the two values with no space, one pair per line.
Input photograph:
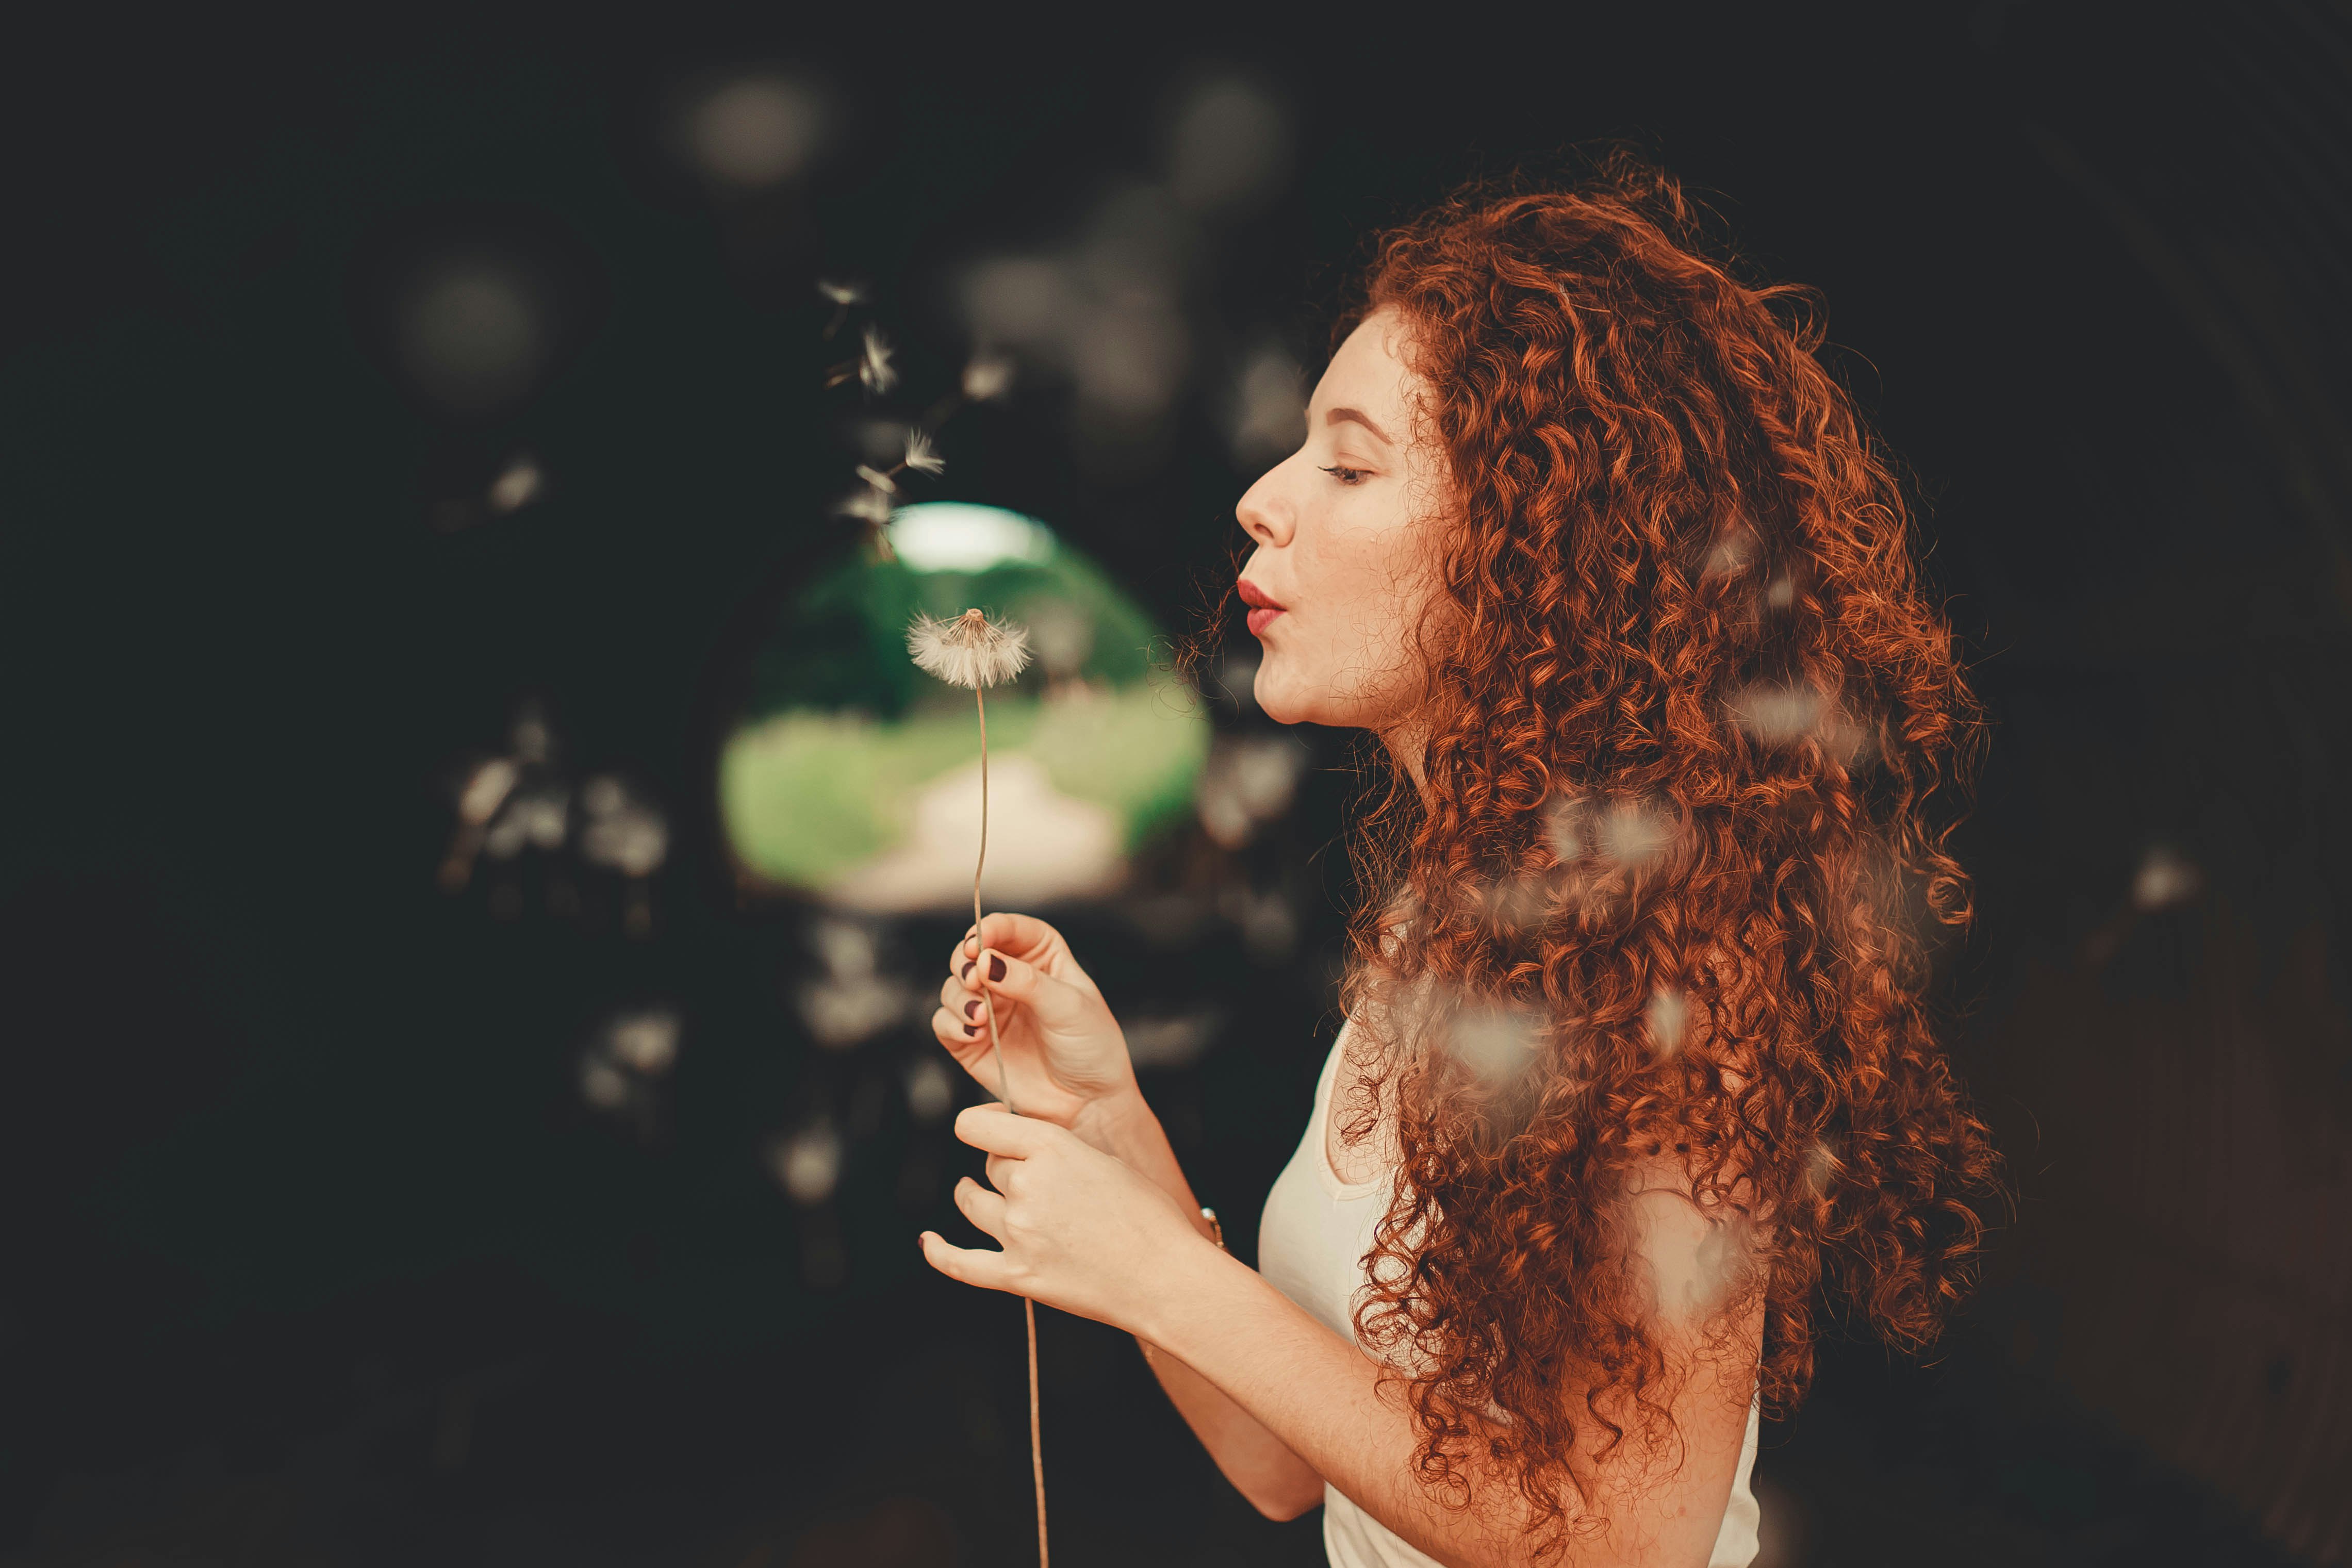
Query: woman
[1637,1059]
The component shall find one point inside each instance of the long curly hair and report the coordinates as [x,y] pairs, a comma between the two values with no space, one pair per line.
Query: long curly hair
[1671,884]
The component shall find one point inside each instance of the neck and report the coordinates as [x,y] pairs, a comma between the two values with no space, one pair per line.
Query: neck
[1407,742]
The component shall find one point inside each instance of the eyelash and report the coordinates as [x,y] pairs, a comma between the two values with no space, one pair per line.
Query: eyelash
[1347,476]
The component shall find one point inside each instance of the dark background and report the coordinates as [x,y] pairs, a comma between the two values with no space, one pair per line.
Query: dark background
[311,1253]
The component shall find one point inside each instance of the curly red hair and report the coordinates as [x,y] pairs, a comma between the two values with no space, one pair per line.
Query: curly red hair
[1690,721]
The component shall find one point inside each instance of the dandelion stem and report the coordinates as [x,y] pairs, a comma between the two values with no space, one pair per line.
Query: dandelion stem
[1037,1440]
[987,998]
[1004,1092]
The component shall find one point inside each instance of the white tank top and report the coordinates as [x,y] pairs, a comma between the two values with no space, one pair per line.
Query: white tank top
[1317,1231]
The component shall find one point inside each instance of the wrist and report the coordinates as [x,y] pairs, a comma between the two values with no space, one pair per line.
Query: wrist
[1119,1125]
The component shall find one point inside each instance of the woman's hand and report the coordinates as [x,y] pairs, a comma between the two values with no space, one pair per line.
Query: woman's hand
[1080,1229]
[1065,1057]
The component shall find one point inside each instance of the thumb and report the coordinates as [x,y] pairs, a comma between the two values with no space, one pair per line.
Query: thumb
[1056,1004]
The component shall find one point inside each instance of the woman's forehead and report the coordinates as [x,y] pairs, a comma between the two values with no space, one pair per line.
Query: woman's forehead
[1369,371]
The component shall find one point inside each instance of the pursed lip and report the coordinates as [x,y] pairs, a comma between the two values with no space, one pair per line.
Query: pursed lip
[1263,608]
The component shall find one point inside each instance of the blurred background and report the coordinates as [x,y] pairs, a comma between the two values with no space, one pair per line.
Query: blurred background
[477,862]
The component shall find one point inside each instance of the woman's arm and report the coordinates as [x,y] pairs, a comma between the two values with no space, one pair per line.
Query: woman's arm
[1325,1399]
[1263,1469]
[1084,1231]
[1066,1060]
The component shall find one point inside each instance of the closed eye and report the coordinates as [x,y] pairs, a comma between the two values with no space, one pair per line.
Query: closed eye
[1347,476]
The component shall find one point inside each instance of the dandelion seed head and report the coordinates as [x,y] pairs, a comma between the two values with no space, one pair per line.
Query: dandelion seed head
[847,291]
[922,457]
[969,651]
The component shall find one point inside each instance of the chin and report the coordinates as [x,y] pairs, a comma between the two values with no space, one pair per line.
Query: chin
[1274,698]
[1282,702]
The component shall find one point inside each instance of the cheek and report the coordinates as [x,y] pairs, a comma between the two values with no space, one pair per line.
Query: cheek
[1368,582]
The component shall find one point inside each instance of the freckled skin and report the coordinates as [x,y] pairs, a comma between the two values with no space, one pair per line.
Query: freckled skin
[1342,528]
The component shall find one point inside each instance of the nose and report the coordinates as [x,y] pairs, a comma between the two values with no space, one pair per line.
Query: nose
[1265,512]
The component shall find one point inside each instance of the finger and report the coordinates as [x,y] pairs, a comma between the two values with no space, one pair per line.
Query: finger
[960,998]
[982,1206]
[960,1037]
[999,1132]
[967,1265]
[1024,934]
[1054,1003]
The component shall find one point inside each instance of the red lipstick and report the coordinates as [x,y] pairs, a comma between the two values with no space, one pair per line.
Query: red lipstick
[1263,609]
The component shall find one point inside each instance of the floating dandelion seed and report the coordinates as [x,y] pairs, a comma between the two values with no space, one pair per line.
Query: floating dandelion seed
[1775,715]
[1496,1044]
[922,457]
[877,480]
[987,376]
[975,652]
[1564,826]
[1821,1169]
[1667,1015]
[843,295]
[870,504]
[2164,879]
[1728,554]
[874,370]
[1632,834]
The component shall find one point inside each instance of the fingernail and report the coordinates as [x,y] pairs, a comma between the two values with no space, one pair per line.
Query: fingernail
[973,1028]
[995,968]
[972,1010]
[965,973]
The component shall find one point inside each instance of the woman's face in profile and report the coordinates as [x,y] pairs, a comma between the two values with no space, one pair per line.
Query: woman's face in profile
[1339,577]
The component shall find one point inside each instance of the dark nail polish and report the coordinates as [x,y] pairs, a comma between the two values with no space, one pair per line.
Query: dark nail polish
[964,973]
[972,1010]
[995,968]
[972,1028]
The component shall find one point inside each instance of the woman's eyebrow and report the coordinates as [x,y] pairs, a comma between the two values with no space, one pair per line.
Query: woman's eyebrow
[1357,417]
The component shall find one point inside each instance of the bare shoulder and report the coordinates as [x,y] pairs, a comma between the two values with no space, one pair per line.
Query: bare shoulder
[1701,1255]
